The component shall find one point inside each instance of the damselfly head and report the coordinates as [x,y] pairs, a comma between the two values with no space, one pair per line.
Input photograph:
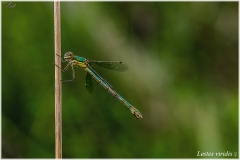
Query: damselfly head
[68,56]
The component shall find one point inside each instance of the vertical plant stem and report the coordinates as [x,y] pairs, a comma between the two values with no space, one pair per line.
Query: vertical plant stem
[58,84]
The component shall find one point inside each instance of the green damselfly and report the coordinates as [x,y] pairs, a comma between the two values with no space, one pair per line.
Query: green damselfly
[85,65]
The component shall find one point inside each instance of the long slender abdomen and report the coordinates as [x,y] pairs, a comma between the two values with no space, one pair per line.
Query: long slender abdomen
[110,89]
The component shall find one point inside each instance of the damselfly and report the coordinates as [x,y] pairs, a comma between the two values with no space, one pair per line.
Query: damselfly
[85,65]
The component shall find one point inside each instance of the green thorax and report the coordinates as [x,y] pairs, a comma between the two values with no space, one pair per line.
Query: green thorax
[80,59]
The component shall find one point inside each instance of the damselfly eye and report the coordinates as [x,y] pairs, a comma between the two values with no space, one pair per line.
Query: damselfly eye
[68,55]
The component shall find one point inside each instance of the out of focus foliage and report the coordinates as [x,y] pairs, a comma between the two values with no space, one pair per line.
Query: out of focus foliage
[183,77]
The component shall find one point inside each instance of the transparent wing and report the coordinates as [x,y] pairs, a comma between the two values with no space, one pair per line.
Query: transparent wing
[113,65]
[89,83]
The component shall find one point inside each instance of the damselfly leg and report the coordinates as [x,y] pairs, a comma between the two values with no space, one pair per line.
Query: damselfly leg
[65,69]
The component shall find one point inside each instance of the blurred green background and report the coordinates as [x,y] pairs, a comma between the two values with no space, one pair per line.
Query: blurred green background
[183,77]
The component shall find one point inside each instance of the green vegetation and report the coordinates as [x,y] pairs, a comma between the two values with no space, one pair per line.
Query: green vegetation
[183,77]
